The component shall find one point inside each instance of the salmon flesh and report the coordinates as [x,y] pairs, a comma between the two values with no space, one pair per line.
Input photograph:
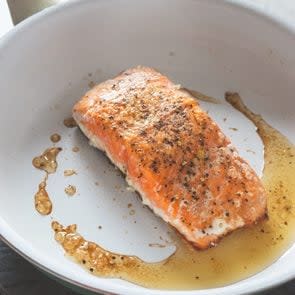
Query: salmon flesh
[183,166]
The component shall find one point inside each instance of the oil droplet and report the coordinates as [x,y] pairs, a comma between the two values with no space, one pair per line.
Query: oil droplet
[70,122]
[156,245]
[70,190]
[91,84]
[55,137]
[47,161]
[75,149]
[43,203]
[69,172]
[233,128]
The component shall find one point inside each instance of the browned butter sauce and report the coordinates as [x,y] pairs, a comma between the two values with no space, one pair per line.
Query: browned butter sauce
[200,96]
[70,122]
[238,256]
[46,162]
[69,172]
[43,203]
[55,137]
[70,190]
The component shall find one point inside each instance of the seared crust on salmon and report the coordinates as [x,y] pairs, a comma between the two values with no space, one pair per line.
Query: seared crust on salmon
[173,154]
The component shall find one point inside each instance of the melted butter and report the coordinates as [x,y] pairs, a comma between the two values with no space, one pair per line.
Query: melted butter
[91,84]
[200,96]
[96,259]
[157,245]
[43,203]
[47,161]
[69,172]
[70,190]
[55,137]
[238,256]
[70,122]
[75,149]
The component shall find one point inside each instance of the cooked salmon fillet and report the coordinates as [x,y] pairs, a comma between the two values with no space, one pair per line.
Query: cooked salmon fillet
[173,154]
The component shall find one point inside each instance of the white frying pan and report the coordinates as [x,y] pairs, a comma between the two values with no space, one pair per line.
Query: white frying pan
[45,66]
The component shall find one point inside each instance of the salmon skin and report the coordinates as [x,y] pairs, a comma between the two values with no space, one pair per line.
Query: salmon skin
[173,154]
